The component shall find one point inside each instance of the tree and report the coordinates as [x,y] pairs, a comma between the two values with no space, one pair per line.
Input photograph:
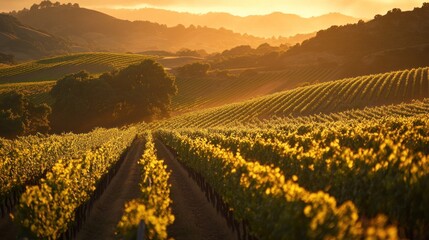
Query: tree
[147,88]
[81,102]
[193,70]
[34,7]
[138,92]
[193,53]
[18,116]
[239,50]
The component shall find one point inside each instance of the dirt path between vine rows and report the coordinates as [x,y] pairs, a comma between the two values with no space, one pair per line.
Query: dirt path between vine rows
[195,217]
[8,230]
[108,210]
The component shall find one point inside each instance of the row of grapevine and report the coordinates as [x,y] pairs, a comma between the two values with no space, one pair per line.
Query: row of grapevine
[208,118]
[379,165]
[51,208]
[154,206]
[28,88]
[25,160]
[396,110]
[275,206]
[330,97]
[50,67]
[200,93]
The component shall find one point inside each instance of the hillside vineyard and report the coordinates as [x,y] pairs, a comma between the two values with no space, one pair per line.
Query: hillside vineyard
[300,158]
[119,129]
[330,97]
[276,154]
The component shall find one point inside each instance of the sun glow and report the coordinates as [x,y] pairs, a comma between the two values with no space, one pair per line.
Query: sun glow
[361,8]
[234,10]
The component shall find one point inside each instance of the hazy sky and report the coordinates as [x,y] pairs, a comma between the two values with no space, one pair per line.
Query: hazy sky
[358,8]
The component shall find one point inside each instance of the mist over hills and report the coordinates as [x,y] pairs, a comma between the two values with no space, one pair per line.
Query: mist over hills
[25,42]
[101,32]
[394,41]
[274,24]
[397,40]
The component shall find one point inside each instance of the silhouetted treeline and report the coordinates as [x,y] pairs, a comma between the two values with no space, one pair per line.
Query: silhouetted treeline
[140,92]
[192,70]
[88,28]
[136,93]
[244,56]
[46,4]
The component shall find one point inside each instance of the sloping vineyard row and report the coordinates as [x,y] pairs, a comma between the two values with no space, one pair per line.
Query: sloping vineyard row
[49,209]
[109,59]
[273,205]
[154,205]
[377,164]
[230,90]
[25,160]
[331,97]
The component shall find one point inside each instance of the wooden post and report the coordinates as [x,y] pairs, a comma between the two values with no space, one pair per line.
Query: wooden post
[141,231]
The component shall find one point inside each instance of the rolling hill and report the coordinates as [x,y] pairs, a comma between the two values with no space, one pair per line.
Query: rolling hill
[25,42]
[88,28]
[283,24]
[194,93]
[397,40]
[324,98]
[283,149]
[57,67]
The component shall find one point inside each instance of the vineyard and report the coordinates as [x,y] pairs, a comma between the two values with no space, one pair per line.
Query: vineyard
[37,92]
[329,97]
[57,67]
[344,159]
[210,92]
[307,175]
[36,79]
[316,136]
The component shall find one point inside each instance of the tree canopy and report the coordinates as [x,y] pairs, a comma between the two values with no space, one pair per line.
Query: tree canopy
[18,116]
[139,92]
[197,69]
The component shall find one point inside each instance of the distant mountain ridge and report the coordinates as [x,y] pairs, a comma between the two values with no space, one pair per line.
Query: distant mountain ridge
[397,40]
[25,42]
[101,32]
[274,24]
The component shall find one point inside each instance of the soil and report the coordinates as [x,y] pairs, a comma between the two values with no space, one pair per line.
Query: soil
[108,210]
[195,217]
